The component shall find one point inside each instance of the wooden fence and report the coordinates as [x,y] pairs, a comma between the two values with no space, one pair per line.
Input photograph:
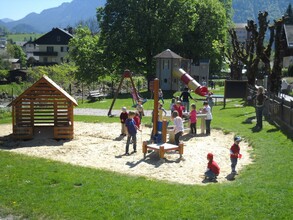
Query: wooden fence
[277,110]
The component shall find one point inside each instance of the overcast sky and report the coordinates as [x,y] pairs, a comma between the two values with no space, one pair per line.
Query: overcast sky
[17,9]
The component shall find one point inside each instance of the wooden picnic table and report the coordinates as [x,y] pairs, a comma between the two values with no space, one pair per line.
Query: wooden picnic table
[162,148]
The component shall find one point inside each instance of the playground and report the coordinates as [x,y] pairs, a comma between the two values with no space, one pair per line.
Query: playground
[94,146]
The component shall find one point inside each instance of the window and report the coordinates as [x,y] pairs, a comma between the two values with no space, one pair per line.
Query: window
[67,49]
[50,49]
[61,49]
[165,80]
[58,38]
[62,60]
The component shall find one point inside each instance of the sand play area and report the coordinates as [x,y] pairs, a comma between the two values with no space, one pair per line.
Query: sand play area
[100,146]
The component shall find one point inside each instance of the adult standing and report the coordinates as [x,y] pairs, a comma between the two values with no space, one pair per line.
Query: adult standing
[260,98]
[185,95]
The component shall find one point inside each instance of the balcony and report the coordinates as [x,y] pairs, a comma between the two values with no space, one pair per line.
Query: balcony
[45,53]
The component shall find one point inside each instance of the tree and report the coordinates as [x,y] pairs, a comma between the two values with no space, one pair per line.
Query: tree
[206,37]
[133,32]
[255,50]
[17,52]
[85,52]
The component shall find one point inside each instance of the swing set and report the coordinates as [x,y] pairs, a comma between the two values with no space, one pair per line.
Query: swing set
[134,93]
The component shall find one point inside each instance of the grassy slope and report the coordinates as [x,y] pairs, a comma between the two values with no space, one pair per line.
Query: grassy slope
[39,188]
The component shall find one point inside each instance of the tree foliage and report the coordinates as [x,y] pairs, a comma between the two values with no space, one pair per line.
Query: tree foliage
[133,32]
[85,52]
[17,52]
[62,74]
[206,38]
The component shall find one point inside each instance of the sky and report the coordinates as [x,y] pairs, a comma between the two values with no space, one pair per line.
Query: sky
[17,9]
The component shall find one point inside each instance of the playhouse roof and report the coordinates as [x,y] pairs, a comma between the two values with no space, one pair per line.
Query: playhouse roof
[49,82]
[167,54]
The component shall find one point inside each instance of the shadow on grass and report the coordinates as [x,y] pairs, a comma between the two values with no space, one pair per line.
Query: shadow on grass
[249,120]
[230,177]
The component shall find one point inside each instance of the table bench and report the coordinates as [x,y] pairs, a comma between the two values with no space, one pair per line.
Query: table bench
[96,95]
[162,148]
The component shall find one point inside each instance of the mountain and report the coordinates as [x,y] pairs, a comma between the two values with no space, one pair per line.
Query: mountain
[67,14]
[248,9]
[6,20]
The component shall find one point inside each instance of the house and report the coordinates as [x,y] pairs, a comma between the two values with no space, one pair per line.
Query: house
[29,48]
[45,110]
[15,63]
[166,64]
[53,47]
[241,32]
[288,46]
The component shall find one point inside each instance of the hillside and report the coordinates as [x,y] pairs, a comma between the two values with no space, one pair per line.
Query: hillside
[248,9]
[67,14]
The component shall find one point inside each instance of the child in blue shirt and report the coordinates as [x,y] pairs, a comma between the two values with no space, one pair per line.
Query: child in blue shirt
[131,130]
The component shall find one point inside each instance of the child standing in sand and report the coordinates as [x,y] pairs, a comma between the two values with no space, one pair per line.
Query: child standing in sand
[235,154]
[178,126]
[207,110]
[213,169]
[123,117]
[139,108]
[192,119]
[137,120]
[132,130]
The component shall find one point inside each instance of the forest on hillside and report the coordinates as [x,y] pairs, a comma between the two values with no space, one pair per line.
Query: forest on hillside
[248,9]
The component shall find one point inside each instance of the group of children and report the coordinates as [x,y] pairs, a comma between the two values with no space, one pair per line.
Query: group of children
[130,123]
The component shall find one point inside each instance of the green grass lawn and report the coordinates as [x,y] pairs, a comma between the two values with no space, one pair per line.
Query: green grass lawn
[36,188]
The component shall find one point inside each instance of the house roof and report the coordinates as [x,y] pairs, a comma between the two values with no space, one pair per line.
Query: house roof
[289,35]
[56,36]
[48,81]
[168,54]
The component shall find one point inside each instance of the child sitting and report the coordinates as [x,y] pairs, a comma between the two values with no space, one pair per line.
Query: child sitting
[213,170]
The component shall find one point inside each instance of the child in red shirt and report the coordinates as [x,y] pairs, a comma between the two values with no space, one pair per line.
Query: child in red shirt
[137,120]
[213,169]
[192,119]
[179,108]
[235,154]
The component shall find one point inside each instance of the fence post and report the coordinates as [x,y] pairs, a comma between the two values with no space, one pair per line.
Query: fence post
[291,111]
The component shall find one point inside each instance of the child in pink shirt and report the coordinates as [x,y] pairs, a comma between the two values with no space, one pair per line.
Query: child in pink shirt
[192,119]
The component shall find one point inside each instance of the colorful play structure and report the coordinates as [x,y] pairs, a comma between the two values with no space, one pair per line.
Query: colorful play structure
[190,82]
[135,96]
[159,132]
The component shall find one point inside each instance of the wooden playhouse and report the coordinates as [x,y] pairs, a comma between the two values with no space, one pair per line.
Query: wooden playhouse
[44,105]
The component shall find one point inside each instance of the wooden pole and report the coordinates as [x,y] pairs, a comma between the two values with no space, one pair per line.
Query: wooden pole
[155,111]
[164,131]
